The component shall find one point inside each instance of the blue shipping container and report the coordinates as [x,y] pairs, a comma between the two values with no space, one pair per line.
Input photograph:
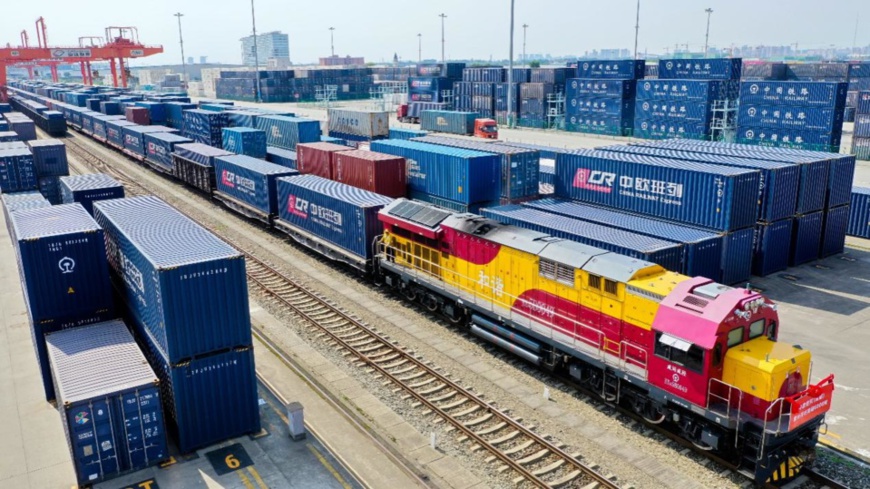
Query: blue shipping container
[788,138]
[669,129]
[452,205]
[665,253]
[134,137]
[456,174]
[286,132]
[592,87]
[794,93]
[688,111]
[630,69]
[806,238]
[826,120]
[200,153]
[771,247]
[89,188]
[283,157]
[599,124]
[778,182]
[405,133]
[113,422]
[737,256]
[175,113]
[337,213]
[703,249]
[448,121]
[17,170]
[601,107]
[701,69]
[160,146]
[115,132]
[245,141]
[680,90]
[859,213]
[185,287]
[50,188]
[49,156]
[204,126]
[156,111]
[834,234]
[712,196]
[250,181]
[520,168]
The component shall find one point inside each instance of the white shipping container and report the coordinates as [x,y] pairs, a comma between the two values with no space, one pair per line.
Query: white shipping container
[359,122]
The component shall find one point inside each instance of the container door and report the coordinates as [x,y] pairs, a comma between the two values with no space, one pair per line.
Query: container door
[143,428]
[92,437]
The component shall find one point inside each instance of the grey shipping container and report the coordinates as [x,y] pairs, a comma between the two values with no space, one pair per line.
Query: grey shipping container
[185,288]
[250,182]
[365,123]
[109,401]
[89,188]
[665,253]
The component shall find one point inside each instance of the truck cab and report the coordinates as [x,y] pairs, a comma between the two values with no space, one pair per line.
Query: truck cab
[485,128]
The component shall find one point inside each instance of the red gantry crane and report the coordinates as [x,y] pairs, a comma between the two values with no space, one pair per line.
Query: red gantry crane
[120,43]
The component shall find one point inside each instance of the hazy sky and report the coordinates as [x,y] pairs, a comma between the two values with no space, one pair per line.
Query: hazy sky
[474,29]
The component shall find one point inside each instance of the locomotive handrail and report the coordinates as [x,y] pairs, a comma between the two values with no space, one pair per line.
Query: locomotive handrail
[728,400]
[628,360]
[779,402]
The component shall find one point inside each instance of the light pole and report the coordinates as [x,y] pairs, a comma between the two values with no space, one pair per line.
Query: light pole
[510,77]
[419,48]
[181,41]
[332,40]
[525,60]
[707,37]
[442,37]
[636,29]
[256,53]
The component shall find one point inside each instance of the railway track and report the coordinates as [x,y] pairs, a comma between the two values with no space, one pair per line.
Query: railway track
[534,460]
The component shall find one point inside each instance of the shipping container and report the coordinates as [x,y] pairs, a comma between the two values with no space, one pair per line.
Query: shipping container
[801,94]
[406,133]
[861,148]
[862,103]
[601,107]
[250,182]
[111,108]
[369,124]
[450,70]
[452,205]
[806,238]
[283,157]
[20,201]
[429,84]
[677,111]
[455,174]
[592,87]
[702,249]
[49,156]
[701,69]
[555,76]
[376,172]
[339,214]
[448,121]
[862,126]
[204,126]
[826,120]
[600,124]
[156,112]
[115,131]
[286,132]
[859,213]
[645,128]
[99,125]
[245,141]
[159,147]
[8,136]
[62,264]
[629,69]
[50,189]
[89,188]
[835,225]
[686,90]
[520,168]
[17,169]
[209,398]
[712,196]
[138,115]
[109,401]
[763,70]
[175,113]
[771,247]
[778,182]
[185,288]
[318,158]
[134,137]
[737,256]
[788,138]
[200,153]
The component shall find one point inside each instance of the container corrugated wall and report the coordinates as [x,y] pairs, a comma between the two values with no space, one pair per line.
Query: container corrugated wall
[772,245]
[365,123]
[160,146]
[250,181]
[89,188]
[806,238]
[448,121]
[801,94]
[49,156]
[286,132]
[376,172]
[340,214]
[834,234]
[824,120]
[318,158]
[244,141]
[185,288]
[859,213]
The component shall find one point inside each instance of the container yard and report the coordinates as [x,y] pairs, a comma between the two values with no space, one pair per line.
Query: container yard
[592,272]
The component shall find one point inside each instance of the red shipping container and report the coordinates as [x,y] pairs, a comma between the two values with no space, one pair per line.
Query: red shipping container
[138,115]
[376,172]
[317,158]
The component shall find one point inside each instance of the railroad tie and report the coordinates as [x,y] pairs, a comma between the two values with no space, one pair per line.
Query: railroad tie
[477,421]
[506,438]
[492,429]
[518,448]
[568,478]
[534,457]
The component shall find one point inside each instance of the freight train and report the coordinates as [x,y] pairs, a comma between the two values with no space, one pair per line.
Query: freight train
[700,358]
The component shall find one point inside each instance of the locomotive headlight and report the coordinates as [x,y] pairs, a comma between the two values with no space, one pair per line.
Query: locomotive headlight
[747,306]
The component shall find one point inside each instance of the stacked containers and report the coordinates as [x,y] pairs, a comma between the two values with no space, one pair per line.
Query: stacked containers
[62,263]
[601,99]
[250,182]
[175,113]
[87,189]
[459,179]
[358,125]
[802,115]
[21,125]
[138,115]
[187,293]
[344,216]
[204,126]
[533,103]
[109,401]
[17,169]
[245,141]
[720,198]
[50,163]
[502,92]
[859,213]
[520,168]
[680,103]
[318,158]
[286,132]
[483,98]
[428,89]
[861,134]
[376,172]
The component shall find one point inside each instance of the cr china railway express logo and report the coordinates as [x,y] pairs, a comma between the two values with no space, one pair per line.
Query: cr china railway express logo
[298,207]
[227,179]
[66,265]
[156,149]
[594,180]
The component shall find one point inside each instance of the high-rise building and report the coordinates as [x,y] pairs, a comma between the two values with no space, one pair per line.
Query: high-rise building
[270,45]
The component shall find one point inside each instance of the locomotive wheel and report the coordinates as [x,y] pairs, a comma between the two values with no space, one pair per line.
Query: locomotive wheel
[410,293]
[430,303]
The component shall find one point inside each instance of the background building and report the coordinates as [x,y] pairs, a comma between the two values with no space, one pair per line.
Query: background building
[270,45]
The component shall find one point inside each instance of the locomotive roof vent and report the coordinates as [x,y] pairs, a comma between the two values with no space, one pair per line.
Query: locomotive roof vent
[695,301]
[711,291]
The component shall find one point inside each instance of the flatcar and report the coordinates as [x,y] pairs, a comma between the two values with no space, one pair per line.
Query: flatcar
[700,358]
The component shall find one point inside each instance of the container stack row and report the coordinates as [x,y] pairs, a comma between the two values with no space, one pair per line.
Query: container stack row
[433,81]
[681,102]
[294,85]
[861,133]
[601,100]
[485,90]
[802,115]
